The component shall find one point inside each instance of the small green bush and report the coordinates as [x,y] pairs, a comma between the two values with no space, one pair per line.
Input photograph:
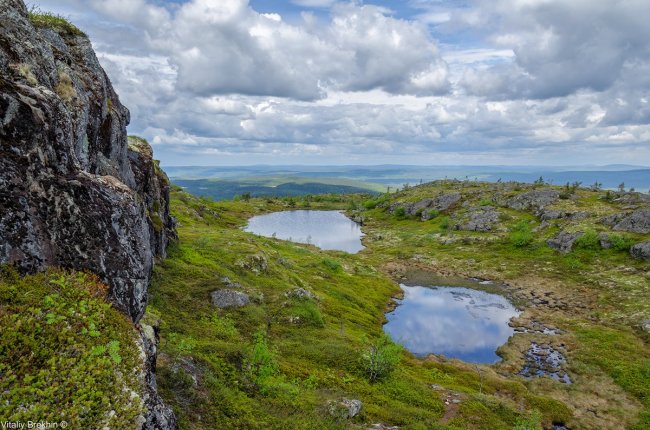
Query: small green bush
[332,265]
[444,223]
[370,204]
[532,422]
[485,202]
[224,326]
[308,313]
[620,243]
[400,213]
[521,235]
[589,240]
[380,357]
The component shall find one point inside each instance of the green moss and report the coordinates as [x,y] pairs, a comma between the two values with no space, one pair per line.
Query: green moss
[65,354]
[156,221]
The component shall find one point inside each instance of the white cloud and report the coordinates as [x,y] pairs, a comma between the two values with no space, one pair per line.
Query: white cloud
[530,82]
[226,47]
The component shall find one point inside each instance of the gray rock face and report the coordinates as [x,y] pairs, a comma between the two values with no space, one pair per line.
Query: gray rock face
[481,219]
[70,197]
[635,222]
[229,299]
[641,251]
[533,200]
[345,408]
[564,241]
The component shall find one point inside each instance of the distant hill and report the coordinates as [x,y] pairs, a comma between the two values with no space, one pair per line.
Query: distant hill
[224,181]
[274,186]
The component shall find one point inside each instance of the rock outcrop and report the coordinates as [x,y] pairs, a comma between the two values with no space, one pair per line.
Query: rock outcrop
[72,192]
[482,218]
[73,195]
[635,222]
[533,200]
[426,208]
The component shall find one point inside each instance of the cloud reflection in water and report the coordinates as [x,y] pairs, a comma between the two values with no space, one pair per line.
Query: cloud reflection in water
[453,321]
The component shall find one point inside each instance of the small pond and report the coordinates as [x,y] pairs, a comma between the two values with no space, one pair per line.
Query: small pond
[455,322]
[324,229]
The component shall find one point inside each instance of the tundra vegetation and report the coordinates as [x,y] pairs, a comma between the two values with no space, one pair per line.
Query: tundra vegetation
[311,333]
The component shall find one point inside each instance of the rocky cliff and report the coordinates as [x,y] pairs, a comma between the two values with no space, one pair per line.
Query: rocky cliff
[74,192]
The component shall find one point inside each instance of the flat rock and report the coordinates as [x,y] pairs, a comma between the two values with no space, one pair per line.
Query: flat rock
[229,298]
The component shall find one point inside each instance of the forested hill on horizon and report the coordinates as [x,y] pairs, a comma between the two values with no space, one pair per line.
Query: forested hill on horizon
[224,182]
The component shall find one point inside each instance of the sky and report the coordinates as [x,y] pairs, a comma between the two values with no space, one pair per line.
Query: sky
[431,82]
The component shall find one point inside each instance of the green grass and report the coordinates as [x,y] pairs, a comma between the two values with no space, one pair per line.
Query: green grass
[276,363]
[65,353]
[58,23]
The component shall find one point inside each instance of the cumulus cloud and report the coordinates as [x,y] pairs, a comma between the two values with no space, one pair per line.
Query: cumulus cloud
[226,47]
[560,47]
[465,82]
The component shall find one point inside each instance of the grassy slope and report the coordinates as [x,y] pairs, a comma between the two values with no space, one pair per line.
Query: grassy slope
[204,352]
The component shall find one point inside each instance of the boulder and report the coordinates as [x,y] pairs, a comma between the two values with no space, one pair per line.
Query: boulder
[229,299]
[345,408]
[256,264]
[604,240]
[564,241]
[533,200]
[641,251]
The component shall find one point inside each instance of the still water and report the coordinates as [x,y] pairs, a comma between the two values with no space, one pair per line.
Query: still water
[325,229]
[452,321]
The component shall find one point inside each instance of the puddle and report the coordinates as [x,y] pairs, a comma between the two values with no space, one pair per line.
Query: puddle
[456,322]
[325,229]
[544,360]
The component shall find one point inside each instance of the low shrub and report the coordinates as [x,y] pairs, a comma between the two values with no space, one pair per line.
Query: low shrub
[521,234]
[380,357]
